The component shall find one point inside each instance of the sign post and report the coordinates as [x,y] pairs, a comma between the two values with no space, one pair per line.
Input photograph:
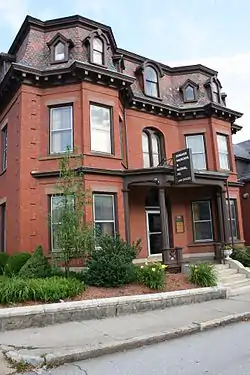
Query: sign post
[183,166]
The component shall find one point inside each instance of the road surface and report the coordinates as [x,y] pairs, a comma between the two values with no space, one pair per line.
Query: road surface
[222,351]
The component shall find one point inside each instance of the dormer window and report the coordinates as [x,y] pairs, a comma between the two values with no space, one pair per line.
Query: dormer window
[59,48]
[98,51]
[189,91]
[60,51]
[151,82]
[215,92]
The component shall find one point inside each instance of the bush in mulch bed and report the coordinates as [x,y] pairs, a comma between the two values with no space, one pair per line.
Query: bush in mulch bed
[15,263]
[153,275]
[202,274]
[16,290]
[37,266]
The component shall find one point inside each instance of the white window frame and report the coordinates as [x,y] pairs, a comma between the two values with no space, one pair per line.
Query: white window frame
[113,206]
[198,153]
[93,129]
[224,136]
[148,212]
[62,56]
[51,109]
[235,219]
[203,221]
[51,219]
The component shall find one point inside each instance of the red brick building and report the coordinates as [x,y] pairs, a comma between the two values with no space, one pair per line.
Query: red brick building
[66,83]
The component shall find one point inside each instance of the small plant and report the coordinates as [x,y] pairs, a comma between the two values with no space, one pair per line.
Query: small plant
[202,274]
[37,266]
[17,290]
[242,255]
[153,275]
[3,260]
[110,265]
[15,263]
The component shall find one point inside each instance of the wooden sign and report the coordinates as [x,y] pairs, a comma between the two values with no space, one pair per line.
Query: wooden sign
[179,224]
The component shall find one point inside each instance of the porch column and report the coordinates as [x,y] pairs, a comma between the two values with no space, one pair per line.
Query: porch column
[225,215]
[220,216]
[164,219]
[126,214]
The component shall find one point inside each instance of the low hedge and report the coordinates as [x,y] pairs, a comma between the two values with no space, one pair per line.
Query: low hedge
[17,290]
[242,255]
[3,260]
[15,263]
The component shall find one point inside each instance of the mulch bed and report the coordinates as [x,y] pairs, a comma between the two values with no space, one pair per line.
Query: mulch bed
[173,282]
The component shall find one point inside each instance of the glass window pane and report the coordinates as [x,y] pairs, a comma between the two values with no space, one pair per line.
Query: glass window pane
[156,160]
[146,160]
[105,228]
[155,144]
[196,143]
[201,210]
[104,207]
[199,161]
[189,93]
[100,129]
[224,163]
[61,118]
[154,222]
[150,74]
[97,57]
[98,44]
[222,143]
[155,243]
[203,231]
[61,140]
[145,142]
[60,51]
[151,88]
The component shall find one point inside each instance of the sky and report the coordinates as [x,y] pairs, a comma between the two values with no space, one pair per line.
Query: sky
[215,33]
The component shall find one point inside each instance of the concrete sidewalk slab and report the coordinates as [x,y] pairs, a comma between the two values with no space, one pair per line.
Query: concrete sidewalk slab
[74,341]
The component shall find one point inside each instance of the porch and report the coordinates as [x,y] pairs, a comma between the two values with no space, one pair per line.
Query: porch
[184,221]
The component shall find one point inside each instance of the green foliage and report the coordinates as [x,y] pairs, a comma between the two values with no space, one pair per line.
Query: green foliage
[74,237]
[153,275]
[111,264]
[17,290]
[59,272]
[3,260]
[15,263]
[37,266]
[242,255]
[202,274]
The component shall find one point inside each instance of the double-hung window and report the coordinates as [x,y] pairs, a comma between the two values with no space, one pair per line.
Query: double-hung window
[222,141]
[232,215]
[4,147]
[61,129]
[197,145]
[104,213]
[202,221]
[101,128]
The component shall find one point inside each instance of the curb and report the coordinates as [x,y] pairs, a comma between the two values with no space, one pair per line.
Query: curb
[56,313]
[58,359]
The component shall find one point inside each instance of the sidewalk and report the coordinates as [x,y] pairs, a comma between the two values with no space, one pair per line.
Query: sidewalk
[74,341]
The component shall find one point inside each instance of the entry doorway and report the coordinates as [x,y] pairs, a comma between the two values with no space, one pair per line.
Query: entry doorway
[153,221]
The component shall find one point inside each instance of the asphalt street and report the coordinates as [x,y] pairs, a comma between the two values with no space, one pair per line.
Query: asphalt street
[222,351]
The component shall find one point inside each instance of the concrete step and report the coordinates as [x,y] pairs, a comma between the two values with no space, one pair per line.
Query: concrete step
[236,283]
[232,277]
[227,271]
[221,266]
[238,291]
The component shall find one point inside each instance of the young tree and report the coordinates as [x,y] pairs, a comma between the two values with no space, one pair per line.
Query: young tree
[72,236]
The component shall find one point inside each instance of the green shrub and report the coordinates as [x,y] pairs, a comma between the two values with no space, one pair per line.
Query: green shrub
[242,255]
[15,263]
[57,271]
[202,274]
[37,266]
[111,264]
[3,260]
[153,275]
[17,290]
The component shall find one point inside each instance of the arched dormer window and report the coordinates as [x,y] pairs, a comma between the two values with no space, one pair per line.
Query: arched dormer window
[214,87]
[59,48]
[189,91]
[97,43]
[98,51]
[151,82]
[152,147]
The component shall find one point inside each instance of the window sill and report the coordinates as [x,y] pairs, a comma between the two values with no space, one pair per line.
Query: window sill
[102,155]
[3,171]
[202,243]
[57,156]
[159,98]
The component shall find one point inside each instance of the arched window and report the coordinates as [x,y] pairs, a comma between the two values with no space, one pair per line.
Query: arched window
[152,148]
[60,53]
[151,82]
[98,51]
[189,93]
[215,92]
